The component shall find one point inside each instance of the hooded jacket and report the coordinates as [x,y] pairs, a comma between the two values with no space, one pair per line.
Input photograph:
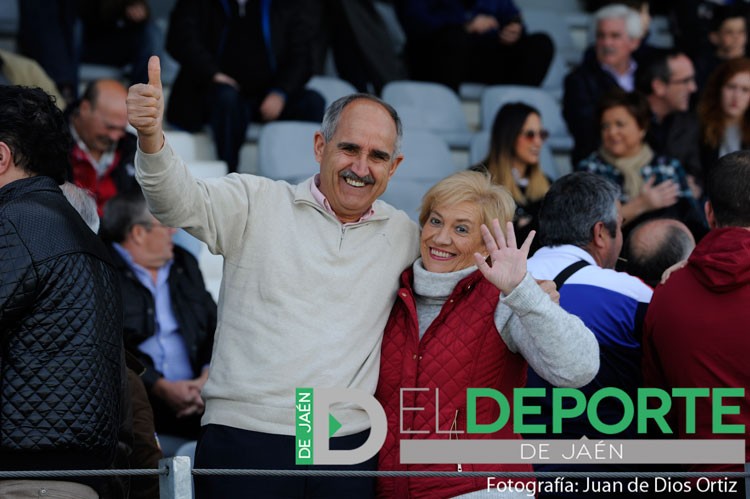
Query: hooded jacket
[697,334]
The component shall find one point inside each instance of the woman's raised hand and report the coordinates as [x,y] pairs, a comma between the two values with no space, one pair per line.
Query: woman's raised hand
[507,266]
[660,196]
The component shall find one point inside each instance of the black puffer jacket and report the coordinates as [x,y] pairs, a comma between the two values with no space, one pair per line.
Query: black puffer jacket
[60,334]
[193,306]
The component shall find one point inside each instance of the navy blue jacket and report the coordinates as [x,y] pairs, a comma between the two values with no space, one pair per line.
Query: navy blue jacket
[420,17]
[197,31]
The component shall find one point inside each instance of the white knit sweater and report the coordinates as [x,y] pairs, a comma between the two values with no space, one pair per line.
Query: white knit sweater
[303,300]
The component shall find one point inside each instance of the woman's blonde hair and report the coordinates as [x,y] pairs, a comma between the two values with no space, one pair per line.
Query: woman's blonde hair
[506,128]
[492,200]
[710,112]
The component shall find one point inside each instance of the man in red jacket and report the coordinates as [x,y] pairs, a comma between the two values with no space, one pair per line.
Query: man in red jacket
[103,156]
[696,333]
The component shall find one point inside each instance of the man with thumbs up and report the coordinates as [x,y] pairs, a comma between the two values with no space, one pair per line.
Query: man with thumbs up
[310,276]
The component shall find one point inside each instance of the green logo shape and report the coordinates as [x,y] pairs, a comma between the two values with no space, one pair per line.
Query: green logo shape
[304,426]
[333,425]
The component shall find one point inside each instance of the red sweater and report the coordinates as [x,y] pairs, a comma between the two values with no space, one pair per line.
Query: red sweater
[697,333]
[119,177]
[461,349]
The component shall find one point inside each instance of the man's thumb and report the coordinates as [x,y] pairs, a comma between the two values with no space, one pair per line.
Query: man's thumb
[154,71]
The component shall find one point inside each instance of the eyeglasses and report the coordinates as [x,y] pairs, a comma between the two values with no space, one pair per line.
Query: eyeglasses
[683,81]
[152,225]
[532,134]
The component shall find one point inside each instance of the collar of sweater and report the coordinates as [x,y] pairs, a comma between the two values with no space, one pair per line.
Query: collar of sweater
[439,286]
[303,194]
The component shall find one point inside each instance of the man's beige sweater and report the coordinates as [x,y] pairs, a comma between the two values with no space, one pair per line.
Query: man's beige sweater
[303,300]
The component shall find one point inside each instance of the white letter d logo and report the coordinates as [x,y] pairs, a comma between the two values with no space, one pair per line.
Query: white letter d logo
[323,398]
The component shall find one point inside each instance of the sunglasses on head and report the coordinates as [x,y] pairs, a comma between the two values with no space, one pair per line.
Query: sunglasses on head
[531,134]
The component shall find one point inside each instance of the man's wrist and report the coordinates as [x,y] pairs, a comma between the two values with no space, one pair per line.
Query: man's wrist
[151,143]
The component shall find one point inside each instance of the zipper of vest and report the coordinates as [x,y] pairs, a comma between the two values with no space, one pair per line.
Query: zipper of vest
[454,429]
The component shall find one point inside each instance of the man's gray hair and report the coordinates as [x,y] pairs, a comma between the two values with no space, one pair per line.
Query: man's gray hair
[632,18]
[121,213]
[84,204]
[573,205]
[333,115]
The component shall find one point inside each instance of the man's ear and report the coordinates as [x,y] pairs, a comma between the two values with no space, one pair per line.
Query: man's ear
[710,216]
[598,239]
[84,107]
[598,244]
[6,158]
[658,87]
[394,165]
[136,234]
[319,143]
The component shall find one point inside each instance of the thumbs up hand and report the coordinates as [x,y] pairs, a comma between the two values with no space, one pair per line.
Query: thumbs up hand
[146,109]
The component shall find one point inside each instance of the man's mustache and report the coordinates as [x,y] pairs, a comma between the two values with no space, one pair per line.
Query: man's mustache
[367,179]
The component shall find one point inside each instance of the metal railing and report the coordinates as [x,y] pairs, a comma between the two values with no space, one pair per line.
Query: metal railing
[176,475]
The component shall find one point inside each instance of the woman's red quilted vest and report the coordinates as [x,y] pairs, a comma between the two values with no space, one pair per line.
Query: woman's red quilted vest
[461,349]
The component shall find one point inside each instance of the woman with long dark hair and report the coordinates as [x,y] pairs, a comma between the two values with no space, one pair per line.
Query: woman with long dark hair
[513,161]
[723,111]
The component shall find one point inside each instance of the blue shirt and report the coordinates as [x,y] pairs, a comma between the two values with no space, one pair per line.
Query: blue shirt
[612,305]
[166,347]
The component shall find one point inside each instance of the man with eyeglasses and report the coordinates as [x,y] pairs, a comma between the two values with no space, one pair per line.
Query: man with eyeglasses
[668,82]
[169,317]
[103,156]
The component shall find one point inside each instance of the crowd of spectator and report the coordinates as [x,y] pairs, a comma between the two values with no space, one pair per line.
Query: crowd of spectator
[660,185]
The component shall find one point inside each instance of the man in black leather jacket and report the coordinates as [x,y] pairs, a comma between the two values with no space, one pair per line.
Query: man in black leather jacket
[61,355]
[169,317]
